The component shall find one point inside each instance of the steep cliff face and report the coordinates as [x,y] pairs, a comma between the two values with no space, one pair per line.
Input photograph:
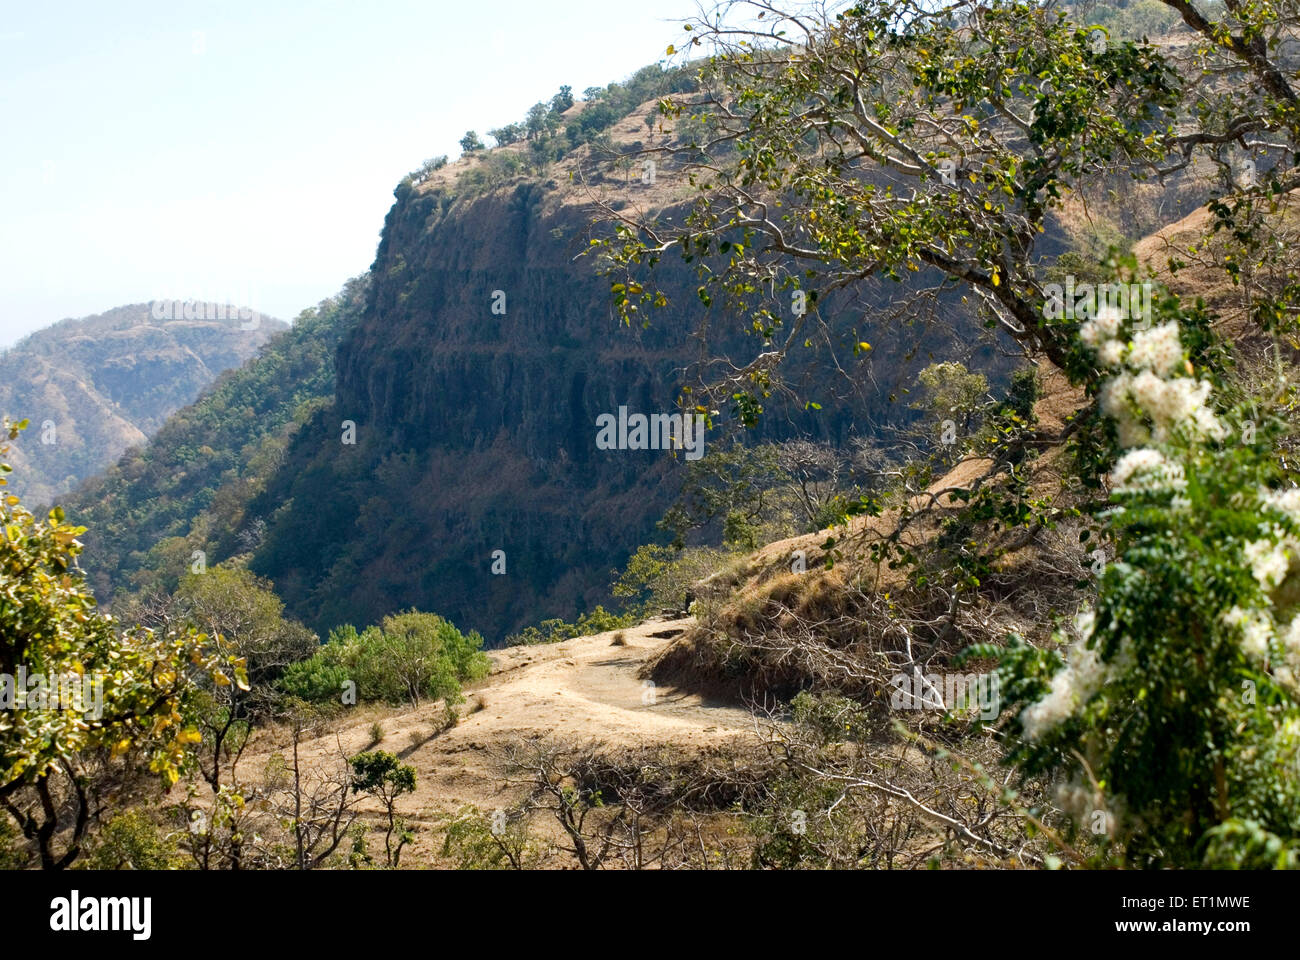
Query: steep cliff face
[95,386]
[474,380]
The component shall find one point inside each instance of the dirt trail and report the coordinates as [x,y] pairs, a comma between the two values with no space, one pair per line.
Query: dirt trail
[581,690]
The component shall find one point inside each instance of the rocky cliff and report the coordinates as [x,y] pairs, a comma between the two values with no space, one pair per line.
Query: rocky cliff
[465,418]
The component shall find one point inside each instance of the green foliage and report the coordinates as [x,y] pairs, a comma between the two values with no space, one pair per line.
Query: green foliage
[597,620]
[563,100]
[734,486]
[974,223]
[831,719]
[471,143]
[49,626]
[658,577]
[386,778]
[1174,727]
[410,657]
[109,690]
[382,774]
[131,840]
[427,169]
[1136,19]
[189,488]
[950,391]
[243,609]
[510,133]
[476,842]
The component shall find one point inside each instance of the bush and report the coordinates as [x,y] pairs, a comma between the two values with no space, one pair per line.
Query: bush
[1173,731]
[410,657]
[133,841]
[598,620]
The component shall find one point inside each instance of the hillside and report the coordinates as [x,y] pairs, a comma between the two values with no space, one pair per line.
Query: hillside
[476,427]
[95,386]
[473,367]
[188,487]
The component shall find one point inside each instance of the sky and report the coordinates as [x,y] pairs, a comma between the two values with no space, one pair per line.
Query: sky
[247,152]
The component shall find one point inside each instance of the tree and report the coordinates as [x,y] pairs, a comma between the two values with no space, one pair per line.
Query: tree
[240,607]
[411,656]
[510,133]
[315,802]
[563,100]
[120,695]
[535,122]
[951,392]
[470,142]
[499,842]
[736,482]
[381,775]
[891,139]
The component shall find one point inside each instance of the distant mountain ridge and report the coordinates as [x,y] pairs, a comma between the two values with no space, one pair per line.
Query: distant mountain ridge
[91,387]
[188,488]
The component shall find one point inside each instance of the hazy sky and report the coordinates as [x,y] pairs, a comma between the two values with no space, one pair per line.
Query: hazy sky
[247,150]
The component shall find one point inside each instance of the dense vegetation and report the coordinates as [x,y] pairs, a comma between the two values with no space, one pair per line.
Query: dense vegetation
[185,493]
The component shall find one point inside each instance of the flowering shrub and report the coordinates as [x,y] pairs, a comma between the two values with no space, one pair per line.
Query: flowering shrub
[1173,729]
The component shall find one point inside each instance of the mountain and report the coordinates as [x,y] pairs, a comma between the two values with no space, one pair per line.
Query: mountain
[95,386]
[472,387]
[195,476]
[455,424]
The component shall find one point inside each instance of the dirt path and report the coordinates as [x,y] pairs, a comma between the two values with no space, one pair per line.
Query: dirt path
[581,690]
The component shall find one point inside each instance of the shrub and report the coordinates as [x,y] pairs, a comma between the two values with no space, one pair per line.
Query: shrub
[384,777]
[411,657]
[1173,729]
[598,620]
[133,841]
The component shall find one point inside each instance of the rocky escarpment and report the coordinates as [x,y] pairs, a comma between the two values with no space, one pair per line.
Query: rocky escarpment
[465,421]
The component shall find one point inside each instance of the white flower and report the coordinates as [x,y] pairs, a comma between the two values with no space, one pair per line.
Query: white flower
[1104,326]
[1284,501]
[1269,561]
[1145,469]
[1206,424]
[1255,630]
[1291,641]
[1072,687]
[1111,353]
[1173,404]
[1115,394]
[1159,350]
